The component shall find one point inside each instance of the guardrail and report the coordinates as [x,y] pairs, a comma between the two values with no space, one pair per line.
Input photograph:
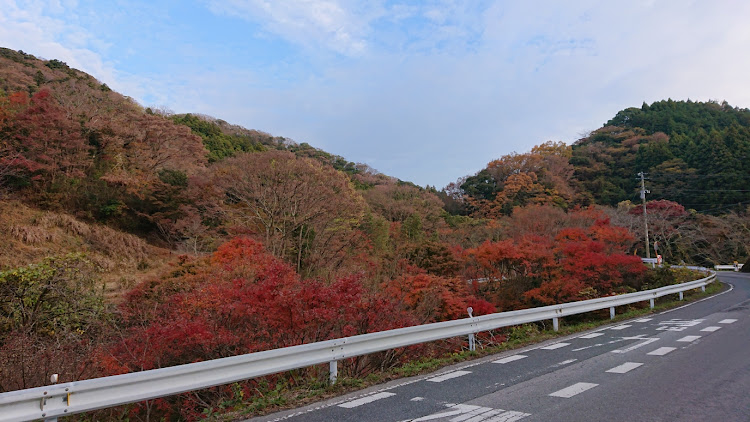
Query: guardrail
[81,396]
[730,267]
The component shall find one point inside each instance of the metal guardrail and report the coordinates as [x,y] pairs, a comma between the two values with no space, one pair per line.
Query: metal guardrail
[730,267]
[81,396]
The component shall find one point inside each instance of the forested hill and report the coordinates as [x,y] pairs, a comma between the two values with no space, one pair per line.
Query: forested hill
[693,153]
[697,154]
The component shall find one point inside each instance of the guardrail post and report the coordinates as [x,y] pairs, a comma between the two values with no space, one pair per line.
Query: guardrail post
[556,324]
[612,312]
[652,303]
[333,371]
[703,288]
[680,295]
[472,339]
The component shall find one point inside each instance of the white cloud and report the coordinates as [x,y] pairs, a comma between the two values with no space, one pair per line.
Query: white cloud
[313,23]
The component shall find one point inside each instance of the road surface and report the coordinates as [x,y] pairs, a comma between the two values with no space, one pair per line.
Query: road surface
[687,364]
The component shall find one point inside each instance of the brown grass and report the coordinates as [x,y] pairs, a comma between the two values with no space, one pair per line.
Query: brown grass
[30,235]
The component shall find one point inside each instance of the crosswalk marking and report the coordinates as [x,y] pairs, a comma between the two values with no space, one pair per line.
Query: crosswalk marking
[449,375]
[625,367]
[727,321]
[661,351]
[365,400]
[689,339]
[555,346]
[711,329]
[592,335]
[573,390]
[510,359]
[621,327]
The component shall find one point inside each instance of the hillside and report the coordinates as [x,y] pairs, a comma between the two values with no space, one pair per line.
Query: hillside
[695,154]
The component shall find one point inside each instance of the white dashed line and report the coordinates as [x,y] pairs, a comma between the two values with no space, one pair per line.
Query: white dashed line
[643,320]
[592,335]
[621,327]
[365,400]
[625,367]
[555,346]
[565,362]
[417,399]
[689,339]
[711,329]
[510,359]
[727,321]
[661,351]
[449,375]
[573,390]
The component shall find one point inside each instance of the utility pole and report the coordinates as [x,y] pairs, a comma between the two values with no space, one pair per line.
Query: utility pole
[643,198]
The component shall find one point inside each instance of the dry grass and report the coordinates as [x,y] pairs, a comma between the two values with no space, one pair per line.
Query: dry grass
[29,235]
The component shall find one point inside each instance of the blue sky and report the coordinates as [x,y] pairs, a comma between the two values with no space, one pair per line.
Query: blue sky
[424,91]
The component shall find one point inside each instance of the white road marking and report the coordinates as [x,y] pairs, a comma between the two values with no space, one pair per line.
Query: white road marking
[689,339]
[480,417]
[509,416]
[449,375]
[574,389]
[453,410]
[711,329]
[470,413]
[661,351]
[588,347]
[510,359]
[621,327]
[625,367]
[678,324]
[555,346]
[480,412]
[417,399]
[565,362]
[592,335]
[727,321]
[643,320]
[365,400]
[636,346]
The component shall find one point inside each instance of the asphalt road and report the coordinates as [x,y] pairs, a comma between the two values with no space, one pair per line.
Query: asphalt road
[687,364]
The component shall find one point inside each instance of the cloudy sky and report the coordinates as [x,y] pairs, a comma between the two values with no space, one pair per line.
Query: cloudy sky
[427,91]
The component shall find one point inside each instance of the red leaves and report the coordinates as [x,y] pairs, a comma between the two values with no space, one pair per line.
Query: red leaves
[242,300]
[578,263]
[44,142]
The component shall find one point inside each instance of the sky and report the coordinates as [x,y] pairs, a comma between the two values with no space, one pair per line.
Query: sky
[426,91]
